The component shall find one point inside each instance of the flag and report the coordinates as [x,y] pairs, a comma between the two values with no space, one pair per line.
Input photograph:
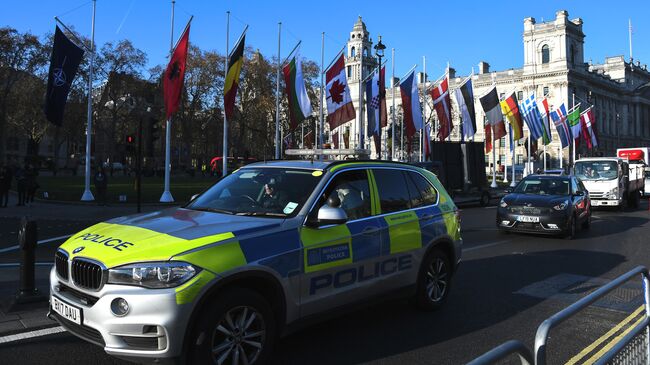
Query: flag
[383,113]
[411,105]
[512,143]
[465,99]
[427,141]
[339,103]
[510,109]
[373,102]
[175,74]
[335,139]
[299,104]
[346,138]
[547,137]
[231,84]
[377,139]
[492,109]
[574,121]
[64,63]
[563,130]
[488,138]
[532,117]
[442,105]
[588,130]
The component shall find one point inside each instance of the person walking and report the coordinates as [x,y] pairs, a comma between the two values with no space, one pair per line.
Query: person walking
[31,185]
[21,185]
[5,185]
[101,185]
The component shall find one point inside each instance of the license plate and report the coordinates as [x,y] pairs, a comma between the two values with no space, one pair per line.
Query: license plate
[528,219]
[66,310]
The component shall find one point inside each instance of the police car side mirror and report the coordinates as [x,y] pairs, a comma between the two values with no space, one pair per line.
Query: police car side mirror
[331,215]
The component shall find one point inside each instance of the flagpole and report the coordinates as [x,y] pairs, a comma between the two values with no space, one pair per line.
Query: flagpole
[513,182]
[528,159]
[392,81]
[505,155]
[224,161]
[88,195]
[277,98]
[451,121]
[360,120]
[573,161]
[424,107]
[166,196]
[322,114]
[494,161]
[402,137]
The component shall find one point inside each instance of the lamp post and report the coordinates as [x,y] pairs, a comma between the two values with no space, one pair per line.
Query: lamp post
[379,52]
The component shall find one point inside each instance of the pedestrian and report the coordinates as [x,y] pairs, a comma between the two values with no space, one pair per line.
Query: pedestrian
[21,185]
[5,185]
[101,185]
[31,185]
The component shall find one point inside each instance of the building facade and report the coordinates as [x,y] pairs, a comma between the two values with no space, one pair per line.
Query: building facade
[554,66]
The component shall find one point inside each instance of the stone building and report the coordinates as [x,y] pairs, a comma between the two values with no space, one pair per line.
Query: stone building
[554,65]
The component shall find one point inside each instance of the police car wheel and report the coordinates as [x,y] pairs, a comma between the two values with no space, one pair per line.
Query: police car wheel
[238,327]
[434,281]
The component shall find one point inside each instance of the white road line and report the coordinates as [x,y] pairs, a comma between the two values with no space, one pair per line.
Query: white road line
[41,242]
[487,245]
[32,334]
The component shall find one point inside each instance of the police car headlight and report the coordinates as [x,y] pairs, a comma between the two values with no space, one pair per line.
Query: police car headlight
[153,275]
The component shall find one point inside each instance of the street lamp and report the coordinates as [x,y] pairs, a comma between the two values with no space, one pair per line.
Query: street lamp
[379,52]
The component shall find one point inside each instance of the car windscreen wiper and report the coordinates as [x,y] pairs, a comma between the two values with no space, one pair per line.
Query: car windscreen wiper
[261,214]
[214,210]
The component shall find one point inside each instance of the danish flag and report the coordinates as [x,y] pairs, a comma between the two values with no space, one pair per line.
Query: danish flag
[442,104]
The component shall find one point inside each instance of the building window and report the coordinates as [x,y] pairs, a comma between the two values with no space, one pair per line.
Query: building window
[365,52]
[501,160]
[573,55]
[349,71]
[501,96]
[502,142]
[546,54]
[520,159]
[352,52]
[545,90]
[520,95]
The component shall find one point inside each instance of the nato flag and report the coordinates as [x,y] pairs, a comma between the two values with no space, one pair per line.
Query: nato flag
[64,63]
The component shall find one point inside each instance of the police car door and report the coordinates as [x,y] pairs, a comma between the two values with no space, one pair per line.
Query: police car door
[338,259]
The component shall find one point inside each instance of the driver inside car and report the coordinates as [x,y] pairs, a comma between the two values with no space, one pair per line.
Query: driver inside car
[274,199]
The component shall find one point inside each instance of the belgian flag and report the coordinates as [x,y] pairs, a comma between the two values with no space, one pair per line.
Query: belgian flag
[235,62]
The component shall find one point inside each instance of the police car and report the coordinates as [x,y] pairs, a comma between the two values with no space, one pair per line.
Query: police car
[261,252]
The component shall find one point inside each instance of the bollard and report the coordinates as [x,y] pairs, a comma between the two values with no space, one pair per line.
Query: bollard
[27,237]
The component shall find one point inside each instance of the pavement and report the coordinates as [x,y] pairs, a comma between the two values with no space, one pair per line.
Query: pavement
[55,221]
[507,285]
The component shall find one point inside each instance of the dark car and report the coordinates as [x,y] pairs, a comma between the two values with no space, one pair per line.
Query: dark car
[546,204]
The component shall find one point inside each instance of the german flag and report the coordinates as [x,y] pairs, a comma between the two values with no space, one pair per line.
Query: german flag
[510,109]
[235,62]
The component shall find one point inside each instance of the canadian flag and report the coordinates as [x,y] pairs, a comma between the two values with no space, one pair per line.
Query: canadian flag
[339,103]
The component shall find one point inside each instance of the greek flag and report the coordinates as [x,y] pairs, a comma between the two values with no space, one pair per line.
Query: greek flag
[532,117]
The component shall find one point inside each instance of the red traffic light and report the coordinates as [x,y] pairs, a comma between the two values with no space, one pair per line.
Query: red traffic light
[130,139]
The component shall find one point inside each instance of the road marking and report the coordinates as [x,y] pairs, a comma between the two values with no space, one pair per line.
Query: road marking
[487,245]
[17,264]
[41,242]
[32,334]
[613,343]
[605,337]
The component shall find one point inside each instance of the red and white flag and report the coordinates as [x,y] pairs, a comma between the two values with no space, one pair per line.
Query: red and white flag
[339,103]
[427,141]
[588,128]
[442,104]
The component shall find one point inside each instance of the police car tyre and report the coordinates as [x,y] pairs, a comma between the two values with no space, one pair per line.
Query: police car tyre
[236,327]
[434,281]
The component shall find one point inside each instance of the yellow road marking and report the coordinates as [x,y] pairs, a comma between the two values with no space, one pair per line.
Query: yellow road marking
[603,338]
[616,340]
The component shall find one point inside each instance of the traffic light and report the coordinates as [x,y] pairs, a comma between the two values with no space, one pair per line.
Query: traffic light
[152,135]
[130,139]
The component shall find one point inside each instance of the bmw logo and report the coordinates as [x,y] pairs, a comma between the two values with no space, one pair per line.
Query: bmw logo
[78,249]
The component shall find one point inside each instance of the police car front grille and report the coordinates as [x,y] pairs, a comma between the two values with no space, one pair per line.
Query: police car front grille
[86,274]
[61,263]
[83,298]
[527,210]
[87,333]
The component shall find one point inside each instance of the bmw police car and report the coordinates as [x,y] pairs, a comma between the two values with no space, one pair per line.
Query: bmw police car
[260,252]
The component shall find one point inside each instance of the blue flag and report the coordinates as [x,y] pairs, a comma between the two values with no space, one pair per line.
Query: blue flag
[533,117]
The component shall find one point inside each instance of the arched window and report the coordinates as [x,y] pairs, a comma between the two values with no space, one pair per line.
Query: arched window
[352,52]
[365,52]
[546,54]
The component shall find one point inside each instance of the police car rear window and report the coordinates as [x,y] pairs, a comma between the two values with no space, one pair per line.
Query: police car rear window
[393,193]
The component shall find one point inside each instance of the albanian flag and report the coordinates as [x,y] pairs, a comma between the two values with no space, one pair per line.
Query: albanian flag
[175,74]
[235,63]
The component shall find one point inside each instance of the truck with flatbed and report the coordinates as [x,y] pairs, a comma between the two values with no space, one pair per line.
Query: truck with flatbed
[611,181]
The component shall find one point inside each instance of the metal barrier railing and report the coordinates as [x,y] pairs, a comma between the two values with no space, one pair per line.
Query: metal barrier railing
[503,351]
[632,348]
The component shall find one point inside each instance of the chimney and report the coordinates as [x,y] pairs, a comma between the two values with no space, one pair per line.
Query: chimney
[420,77]
[452,72]
[483,68]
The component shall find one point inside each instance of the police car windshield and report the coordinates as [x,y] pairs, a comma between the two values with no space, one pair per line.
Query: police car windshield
[268,192]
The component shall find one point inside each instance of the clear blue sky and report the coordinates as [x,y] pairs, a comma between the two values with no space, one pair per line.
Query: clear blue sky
[461,32]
